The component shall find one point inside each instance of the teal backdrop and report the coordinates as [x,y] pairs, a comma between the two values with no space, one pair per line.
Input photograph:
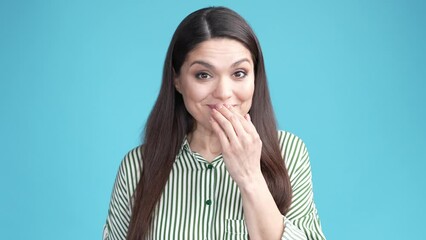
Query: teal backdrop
[79,78]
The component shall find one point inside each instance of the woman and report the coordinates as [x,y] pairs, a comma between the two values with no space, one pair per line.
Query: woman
[212,164]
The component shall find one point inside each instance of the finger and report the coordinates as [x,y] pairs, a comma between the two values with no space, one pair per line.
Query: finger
[224,141]
[234,118]
[247,117]
[245,121]
[225,124]
[248,124]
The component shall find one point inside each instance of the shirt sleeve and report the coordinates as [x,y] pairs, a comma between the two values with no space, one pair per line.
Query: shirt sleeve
[302,220]
[120,206]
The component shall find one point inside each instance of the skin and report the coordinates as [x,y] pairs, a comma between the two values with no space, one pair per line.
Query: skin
[217,84]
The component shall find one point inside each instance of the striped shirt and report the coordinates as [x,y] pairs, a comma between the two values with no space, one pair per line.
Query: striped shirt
[200,200]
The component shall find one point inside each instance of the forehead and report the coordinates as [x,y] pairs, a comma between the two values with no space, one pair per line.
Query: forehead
[219,50]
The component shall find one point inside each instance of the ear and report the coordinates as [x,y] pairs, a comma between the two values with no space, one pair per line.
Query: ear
[176,81]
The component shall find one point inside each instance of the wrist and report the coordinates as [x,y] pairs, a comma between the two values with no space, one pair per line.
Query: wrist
[253,184]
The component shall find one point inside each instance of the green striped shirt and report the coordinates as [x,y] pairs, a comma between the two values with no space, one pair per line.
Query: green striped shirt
[201,201]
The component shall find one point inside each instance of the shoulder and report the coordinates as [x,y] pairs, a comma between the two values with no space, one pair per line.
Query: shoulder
[293,150]
[132,160]
[130,169]
[290,143]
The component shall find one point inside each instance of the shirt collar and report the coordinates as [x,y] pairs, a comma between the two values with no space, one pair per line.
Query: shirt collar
[185,147]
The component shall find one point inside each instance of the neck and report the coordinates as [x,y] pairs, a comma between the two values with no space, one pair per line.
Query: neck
[205,142]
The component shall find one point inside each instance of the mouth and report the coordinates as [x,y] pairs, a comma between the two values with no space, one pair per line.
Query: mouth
[211,106]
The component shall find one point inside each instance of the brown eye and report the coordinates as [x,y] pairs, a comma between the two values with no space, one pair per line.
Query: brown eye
[203,75]
[240,74]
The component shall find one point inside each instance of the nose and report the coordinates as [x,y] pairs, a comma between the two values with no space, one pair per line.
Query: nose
[223,89]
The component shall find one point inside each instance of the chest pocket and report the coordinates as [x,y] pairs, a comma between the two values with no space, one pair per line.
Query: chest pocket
[236,230]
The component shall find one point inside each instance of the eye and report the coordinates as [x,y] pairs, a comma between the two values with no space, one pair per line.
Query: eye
[203,75]
[239,74]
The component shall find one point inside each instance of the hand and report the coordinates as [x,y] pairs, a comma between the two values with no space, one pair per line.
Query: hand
[241,144]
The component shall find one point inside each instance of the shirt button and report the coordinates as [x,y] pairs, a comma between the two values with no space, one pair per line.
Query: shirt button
[210,166]
[209,202]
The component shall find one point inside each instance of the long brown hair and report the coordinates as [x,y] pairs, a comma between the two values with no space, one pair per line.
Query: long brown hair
[169,121]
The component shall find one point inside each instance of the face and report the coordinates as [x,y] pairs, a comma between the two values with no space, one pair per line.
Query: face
[217,71]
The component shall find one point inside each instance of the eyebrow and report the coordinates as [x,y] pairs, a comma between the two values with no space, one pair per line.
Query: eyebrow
[208,65]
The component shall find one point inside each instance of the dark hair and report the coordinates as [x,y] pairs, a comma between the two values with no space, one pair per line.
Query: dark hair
[169,120]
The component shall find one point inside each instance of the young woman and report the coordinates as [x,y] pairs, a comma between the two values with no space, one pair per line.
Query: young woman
[213,164]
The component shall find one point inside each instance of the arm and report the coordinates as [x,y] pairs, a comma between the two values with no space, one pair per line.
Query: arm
[241,150]
[120,207]
[262,216]
[302,217]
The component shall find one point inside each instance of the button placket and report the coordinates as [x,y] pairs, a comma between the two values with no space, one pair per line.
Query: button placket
[210,198]
[210,179]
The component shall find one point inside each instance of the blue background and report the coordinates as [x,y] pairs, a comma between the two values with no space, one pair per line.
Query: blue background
[78,79]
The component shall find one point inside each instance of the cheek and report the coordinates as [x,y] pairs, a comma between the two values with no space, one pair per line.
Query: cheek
[246,92]
[195,94]
[245,95]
